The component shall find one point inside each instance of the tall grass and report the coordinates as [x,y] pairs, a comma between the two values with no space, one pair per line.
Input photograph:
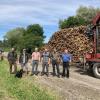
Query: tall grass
[19,89]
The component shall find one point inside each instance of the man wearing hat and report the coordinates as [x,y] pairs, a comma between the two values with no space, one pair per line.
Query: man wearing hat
[23,60]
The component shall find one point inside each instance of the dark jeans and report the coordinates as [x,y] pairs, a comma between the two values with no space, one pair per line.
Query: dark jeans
[45,65]
[55,66]
[65,68]
[11,64]
[24,67]
[1,57]
[35,66]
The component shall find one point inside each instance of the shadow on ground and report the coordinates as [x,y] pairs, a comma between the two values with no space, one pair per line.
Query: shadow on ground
[80,70]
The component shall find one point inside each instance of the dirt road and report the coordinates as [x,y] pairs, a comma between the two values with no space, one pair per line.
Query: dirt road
[79,86]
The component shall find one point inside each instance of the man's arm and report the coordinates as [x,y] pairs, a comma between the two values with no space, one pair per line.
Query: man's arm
[8,55]
[49,58]
[49,61]
[39,57]
[70,58]
[51,55]
[59,58]
[32,56]
[20,58]
[16,56]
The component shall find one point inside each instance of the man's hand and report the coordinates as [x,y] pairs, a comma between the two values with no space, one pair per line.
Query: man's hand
[30,61]
[49,61]
[17,62]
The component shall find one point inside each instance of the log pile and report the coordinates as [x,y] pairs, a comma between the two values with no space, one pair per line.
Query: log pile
[72,38]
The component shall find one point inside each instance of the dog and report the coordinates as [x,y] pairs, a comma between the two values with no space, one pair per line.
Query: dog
[19,73]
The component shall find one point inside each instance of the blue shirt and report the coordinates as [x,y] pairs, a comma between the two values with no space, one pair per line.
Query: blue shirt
[66,57]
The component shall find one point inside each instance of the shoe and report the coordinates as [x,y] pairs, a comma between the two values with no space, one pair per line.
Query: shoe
[31,74]
[27,72]
[36,73]
[11,73]
[67,76]
[63,75]
[42,74]
[58,76]
[47,74]
[53,74]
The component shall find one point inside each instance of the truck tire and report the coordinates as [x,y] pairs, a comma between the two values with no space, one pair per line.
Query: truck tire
[96,70]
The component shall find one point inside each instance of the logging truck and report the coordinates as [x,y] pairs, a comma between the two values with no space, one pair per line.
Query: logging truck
[93,58]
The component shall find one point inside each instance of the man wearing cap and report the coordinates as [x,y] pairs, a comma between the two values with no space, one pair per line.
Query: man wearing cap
[23,60]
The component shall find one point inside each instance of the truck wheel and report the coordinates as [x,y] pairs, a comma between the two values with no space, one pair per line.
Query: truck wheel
[96,70]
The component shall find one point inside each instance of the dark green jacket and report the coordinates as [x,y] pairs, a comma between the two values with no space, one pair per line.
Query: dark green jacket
[12,56]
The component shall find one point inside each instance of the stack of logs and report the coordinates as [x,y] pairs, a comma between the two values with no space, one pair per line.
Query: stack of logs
[72,38]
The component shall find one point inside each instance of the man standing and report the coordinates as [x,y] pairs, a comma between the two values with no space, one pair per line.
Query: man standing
[1,54]
[23,60]
[66,58]
[45,62]
[55,62]
[12,58]
[35,61]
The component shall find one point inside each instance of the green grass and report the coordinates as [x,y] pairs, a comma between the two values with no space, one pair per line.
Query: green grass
[12,88]
[6,49]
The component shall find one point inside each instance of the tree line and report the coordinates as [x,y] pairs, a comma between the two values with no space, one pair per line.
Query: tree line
[84,16]
[30,37]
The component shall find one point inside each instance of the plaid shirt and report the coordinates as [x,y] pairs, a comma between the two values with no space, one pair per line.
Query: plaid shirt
[46,56]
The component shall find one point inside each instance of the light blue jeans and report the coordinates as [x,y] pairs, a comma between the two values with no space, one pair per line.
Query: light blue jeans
[35,66]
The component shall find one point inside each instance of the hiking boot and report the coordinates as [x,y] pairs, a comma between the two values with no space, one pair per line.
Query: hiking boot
[32,74]
[42,74]
[58,76]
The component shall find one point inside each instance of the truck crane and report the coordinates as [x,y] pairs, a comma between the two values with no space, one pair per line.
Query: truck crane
[93,58]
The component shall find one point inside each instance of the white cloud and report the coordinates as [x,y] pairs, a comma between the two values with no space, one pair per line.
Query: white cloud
[15,13]
[33,11]
[46,12]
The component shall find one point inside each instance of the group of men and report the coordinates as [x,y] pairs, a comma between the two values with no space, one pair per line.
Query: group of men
[46,58]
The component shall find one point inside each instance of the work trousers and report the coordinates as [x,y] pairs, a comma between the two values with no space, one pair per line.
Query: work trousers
[35,67]
[65,69]
[55,66]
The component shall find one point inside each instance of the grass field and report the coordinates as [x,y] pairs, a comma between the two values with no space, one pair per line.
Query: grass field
[12,88]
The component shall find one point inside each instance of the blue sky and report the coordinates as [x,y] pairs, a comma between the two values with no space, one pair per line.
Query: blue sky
[21,13]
